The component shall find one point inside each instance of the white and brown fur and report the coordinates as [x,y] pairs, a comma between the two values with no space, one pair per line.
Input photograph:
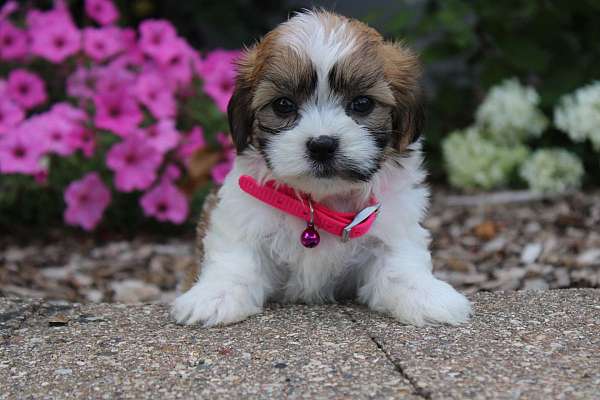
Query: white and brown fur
[251,251]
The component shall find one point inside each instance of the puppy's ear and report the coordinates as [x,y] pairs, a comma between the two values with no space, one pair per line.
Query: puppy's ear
[403,71]
[239,112]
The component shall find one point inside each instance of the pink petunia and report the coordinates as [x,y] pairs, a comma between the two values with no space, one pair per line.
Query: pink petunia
[218,73]
[83,139]
[134,163]
[103,12]
[56,133]
[13,41]
[26,88]
[117,112]
[153,91]
[156,37]
[20,152]
[114,78]
[8,8]
[69,112]
[81,83]
[176,62]
[220,171]
[172,172]
[53,34]
[165,203]
[86,201]
[10,115]
[191,143]
[163,135]
[102,43]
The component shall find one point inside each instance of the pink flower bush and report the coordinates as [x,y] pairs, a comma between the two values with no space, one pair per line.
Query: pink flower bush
[26,88]
[133,109]
[86,201]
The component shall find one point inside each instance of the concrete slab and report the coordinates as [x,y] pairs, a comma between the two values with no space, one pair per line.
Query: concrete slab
[112,351]
[520,345]
[529,345]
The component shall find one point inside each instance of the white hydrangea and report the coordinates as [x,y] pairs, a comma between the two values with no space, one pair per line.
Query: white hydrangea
[509,113]
[475,162]
[552,171]
[578,114]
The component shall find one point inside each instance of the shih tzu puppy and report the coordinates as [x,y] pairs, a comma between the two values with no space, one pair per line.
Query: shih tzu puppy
[326,196]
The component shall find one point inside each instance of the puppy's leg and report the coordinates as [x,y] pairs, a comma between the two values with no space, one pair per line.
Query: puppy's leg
[232,286]
[400,283]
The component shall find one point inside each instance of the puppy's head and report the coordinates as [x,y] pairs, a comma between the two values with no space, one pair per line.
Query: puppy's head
[325,101]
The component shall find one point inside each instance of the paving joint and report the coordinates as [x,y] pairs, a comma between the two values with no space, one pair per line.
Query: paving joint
[416,389]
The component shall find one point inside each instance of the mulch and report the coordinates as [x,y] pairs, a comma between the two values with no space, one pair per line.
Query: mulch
[479,243]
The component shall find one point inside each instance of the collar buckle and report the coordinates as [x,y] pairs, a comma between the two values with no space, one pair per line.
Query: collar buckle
[363,215]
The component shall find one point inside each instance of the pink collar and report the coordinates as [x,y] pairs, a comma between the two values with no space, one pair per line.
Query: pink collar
[345,225]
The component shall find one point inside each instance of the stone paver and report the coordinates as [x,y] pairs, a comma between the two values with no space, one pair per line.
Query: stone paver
[530,345]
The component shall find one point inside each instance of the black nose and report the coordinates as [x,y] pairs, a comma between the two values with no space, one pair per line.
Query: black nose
[322,148]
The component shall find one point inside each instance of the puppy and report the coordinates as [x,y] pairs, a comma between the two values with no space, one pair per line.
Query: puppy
[326,118]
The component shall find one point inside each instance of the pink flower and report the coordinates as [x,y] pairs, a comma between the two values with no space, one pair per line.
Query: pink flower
[8,8]
[220,171]
[102,43]
[114,78]
[56,132]
[156,37]
[83,139]
[20,152]
[86,201]
[134,163]
[165,203]
[53,34]
[103,12]
[172,172]
[176,62]
[26,88]
[191,143]
[81,83]
[117,112]
[162,136]
[153,92]
[13,41]
[218,72]
[10,115]
[69,112]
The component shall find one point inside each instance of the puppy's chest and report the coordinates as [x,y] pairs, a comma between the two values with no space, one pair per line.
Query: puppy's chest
[283,246]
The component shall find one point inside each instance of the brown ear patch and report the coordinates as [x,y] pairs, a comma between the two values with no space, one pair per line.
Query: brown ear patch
[238,110]
[403,72]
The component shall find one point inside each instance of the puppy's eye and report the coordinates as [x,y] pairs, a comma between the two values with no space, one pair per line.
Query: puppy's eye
[362,105]
[284,106]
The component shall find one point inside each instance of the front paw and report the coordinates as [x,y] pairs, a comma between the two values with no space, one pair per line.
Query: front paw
[211,306]
[427,301]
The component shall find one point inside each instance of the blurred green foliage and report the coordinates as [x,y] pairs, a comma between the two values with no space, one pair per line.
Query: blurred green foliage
[469,46]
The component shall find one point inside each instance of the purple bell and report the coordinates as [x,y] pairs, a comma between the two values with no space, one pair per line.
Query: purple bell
[310,237]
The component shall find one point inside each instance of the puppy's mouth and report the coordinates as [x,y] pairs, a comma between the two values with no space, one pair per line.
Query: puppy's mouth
[340,168]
